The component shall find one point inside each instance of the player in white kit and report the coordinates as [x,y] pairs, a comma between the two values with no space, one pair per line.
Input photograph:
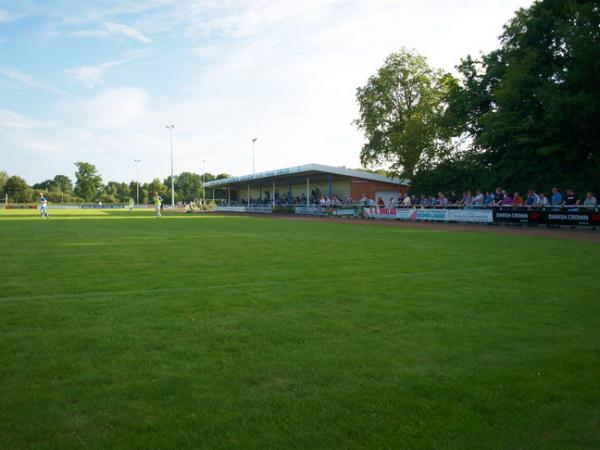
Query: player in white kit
[43,206]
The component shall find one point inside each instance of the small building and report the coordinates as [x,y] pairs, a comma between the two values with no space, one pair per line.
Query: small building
[299,184]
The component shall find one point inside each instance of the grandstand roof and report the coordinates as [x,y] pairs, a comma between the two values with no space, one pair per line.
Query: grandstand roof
[307,170]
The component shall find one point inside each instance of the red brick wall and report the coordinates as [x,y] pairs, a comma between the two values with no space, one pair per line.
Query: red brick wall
[359,187]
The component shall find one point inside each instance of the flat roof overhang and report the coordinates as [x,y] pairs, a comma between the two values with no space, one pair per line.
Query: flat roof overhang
[308,170]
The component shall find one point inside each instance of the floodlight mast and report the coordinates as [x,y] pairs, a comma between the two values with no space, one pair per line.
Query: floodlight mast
[203,178]
[137,177]
[253,156]
[170,127]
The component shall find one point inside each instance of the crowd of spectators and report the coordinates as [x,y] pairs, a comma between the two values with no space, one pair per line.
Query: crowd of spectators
[501,197]
[468,199]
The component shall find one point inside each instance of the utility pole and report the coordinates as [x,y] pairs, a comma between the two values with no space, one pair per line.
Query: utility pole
[203,188]
[170,127]
[137,177]
[253,156]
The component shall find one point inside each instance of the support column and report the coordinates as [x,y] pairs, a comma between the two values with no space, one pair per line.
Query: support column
[329,186]
[307,191]
[290,192]
[273,193]
[248,198]
[228,196]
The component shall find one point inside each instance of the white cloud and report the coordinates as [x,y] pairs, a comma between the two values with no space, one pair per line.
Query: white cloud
[119,28]
[89,76]
[5,16]
[11,119]
[27,80]
[112,29]
[93,75]
[20,76]
[116,107]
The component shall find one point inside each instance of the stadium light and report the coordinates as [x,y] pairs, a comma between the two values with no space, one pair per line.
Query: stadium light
[170,127]
[137,177]
[253,158]
[203,189]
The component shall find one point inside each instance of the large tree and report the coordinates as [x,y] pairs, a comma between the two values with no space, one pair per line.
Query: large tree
[45,185]
[3,178]
[188,186]
[532,107]
[401,110]
[155,186]
[88,181]
[63,183]
[17,189]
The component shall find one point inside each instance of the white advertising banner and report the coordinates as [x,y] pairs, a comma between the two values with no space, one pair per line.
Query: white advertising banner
[437,215]
[471,215]
[406,214]
[242,209]
[456,215]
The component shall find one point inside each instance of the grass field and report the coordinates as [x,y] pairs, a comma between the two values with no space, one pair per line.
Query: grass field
[119,330]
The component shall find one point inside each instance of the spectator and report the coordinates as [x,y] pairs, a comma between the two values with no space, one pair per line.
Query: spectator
[363,200]
[590,200]
[542,200]
[478,199]
[507,200]
[444,202]
[517,199]
[467,199]
[489,199]
[532,198]
[453,198]
[498,196]
[406,201]
[380,202]
[571,198]
[557,198]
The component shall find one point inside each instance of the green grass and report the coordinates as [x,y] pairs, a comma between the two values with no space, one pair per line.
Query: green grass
[118,330]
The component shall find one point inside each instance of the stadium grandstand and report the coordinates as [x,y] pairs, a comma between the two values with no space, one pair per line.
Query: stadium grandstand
[304,185]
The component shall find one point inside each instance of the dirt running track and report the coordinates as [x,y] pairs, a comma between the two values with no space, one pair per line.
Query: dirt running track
[579,234]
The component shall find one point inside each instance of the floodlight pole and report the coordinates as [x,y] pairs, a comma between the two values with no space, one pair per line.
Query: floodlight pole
[170,127]
[203,188]
[137,178]
[253,156]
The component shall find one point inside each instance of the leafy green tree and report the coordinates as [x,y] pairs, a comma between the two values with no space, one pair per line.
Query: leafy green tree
[155,186]
[43,186]
[118,192]
[3,178]
[133,192]
[401,111]
[88,182]
[17,189]
[188,186]
[63,183]
[532,107]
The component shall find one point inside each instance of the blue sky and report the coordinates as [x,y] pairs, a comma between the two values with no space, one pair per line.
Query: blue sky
[98,80]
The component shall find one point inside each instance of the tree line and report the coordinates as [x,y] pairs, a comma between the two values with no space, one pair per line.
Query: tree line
[525,115]
[89,187]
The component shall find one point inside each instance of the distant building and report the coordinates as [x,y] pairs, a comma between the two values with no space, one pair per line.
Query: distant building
[306,181]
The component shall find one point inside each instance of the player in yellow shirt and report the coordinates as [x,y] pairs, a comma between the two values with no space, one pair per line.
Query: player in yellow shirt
[157,203]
